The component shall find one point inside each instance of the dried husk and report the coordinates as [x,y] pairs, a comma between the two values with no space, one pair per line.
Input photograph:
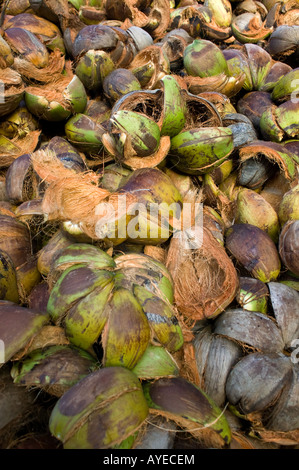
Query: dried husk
[11,149]
[64,184]
[160,65]
[13,90]
[283,41]
[66,189]
[272,153]
[43,75]
[249,28]
[173,44]
[205,279]
[26,45]
[53,10]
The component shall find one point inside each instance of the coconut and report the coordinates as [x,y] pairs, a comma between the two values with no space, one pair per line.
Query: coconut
[205,279]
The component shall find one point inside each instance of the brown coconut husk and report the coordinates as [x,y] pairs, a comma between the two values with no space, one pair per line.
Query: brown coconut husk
[282,438]
[72,196]
[205,279]
[151,54]
[156,252]
[31,73]
[159,11]
[10,149]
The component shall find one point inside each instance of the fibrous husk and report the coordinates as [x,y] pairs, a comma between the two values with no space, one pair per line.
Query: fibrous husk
[156,252]
[12,92]
[272,152]
[98,213]
[155,56]
[11,149]
[69,195]
[43,75]
[205,279]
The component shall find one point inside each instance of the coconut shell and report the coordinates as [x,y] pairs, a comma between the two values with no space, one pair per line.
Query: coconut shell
[250,329]
[246,386]
[220,356]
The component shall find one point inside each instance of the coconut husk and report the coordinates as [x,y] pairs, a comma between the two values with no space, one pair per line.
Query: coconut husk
[134,162]
[43,75]
[156,252]
[10,149]
[160,11]
[151,54]
[14,88]
[205,279]
[276,153]
[283,438]
[72,196]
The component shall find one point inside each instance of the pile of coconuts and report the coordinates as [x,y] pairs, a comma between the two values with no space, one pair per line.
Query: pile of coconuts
[149,224]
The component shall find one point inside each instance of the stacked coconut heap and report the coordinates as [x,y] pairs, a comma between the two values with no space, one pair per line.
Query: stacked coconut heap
[149,224]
